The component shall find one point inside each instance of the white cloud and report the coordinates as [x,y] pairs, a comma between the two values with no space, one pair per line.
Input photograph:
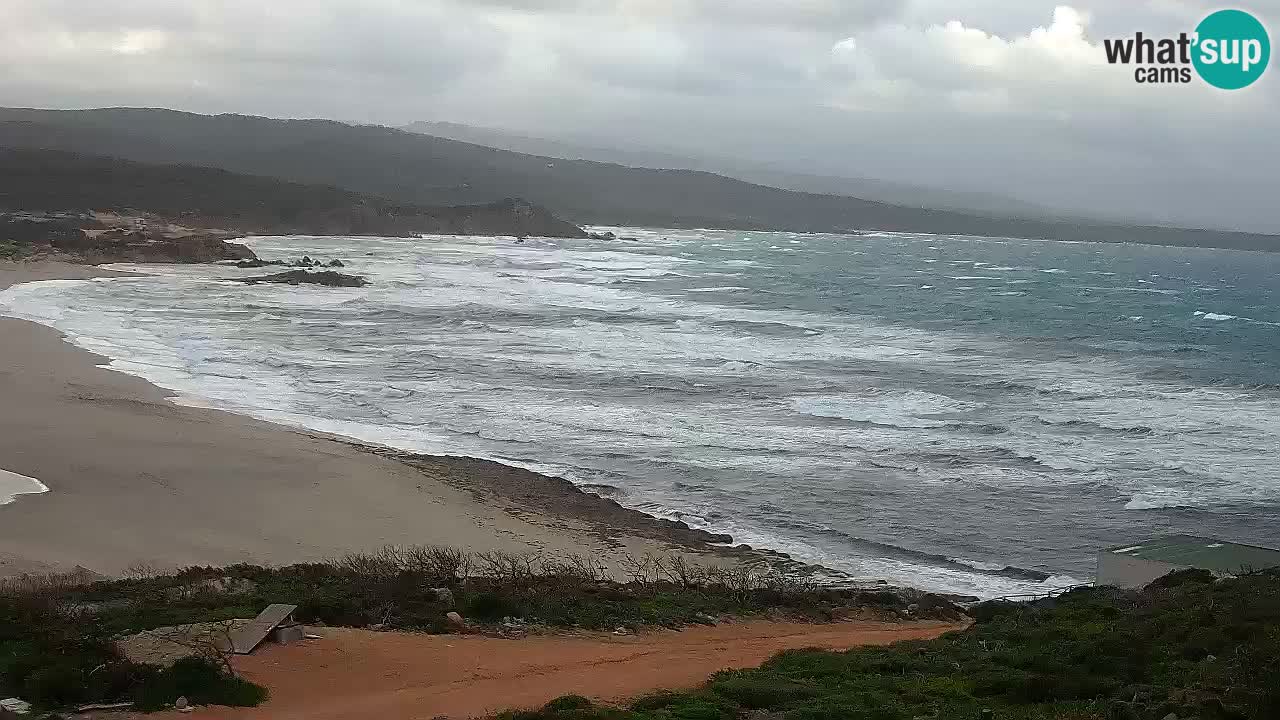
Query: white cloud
[1046,70]
[1003,95]
[139,42]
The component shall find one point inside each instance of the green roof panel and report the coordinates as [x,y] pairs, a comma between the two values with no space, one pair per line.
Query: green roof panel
[1198,552]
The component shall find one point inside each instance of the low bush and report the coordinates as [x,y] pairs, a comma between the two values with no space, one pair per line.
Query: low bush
[200,681]
[396,588]
[54,653]
[57,632]
[1192,646]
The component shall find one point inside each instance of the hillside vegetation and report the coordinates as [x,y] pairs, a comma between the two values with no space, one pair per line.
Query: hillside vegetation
[1187,647]
[421,169]
[45,180]
[57,638]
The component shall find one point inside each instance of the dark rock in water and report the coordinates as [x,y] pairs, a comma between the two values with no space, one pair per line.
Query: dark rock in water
[257,263]
[327,278]
[336,263]
[1018,573]
[602,236]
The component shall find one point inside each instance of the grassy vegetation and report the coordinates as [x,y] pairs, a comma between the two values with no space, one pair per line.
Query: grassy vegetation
[53,653]
[1188,645]
[396,588]
[56,638]
[10,250]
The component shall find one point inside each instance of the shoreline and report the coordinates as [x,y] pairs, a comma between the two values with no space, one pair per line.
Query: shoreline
[12,485]
[135,479]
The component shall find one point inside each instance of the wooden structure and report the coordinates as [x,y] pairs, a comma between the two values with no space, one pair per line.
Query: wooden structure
[244,640]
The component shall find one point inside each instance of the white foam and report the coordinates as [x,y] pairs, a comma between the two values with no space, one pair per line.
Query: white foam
[1215,316]
[906,409]
[12,485]
[1159,499]
[491,340]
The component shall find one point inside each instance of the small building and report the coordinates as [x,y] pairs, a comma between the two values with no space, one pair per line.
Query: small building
[1135,565]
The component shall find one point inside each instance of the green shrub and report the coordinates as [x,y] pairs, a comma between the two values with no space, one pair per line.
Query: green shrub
[698,705]
[490,605]
[200,681]
[758,691]
[58,683]
[993,609]
[1091,654]
[1190,576]
[568,702]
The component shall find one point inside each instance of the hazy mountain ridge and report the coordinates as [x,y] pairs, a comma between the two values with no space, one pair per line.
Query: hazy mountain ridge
[421,169]
[906,194]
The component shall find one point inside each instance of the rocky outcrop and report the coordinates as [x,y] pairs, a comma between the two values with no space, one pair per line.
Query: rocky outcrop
[328,278]
[83,238]
[113,246]
[140,248]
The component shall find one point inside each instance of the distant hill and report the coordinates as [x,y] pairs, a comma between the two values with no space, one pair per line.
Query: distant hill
[45,180]
[905,194]
[421,169]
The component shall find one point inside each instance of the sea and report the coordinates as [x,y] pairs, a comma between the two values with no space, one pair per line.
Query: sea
[960,414]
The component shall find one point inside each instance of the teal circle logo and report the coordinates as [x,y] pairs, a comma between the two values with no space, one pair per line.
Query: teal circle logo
[1232,49]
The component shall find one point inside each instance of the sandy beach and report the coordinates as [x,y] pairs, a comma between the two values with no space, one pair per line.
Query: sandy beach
[136,480]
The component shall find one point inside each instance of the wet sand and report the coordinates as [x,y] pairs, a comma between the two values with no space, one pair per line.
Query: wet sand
[136,480]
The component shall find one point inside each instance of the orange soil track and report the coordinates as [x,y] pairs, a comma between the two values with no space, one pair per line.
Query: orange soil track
[357,674]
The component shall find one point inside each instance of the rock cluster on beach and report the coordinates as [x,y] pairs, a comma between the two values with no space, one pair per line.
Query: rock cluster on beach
[105,238]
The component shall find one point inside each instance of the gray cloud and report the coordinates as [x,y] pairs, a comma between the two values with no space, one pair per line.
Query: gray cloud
[1009,96]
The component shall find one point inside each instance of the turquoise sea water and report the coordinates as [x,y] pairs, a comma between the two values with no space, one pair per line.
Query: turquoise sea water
[921,408]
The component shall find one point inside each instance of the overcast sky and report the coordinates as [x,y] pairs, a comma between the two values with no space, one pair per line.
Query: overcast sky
[1012,96]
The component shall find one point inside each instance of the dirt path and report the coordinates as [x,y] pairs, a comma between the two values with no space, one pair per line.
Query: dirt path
[357,674]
